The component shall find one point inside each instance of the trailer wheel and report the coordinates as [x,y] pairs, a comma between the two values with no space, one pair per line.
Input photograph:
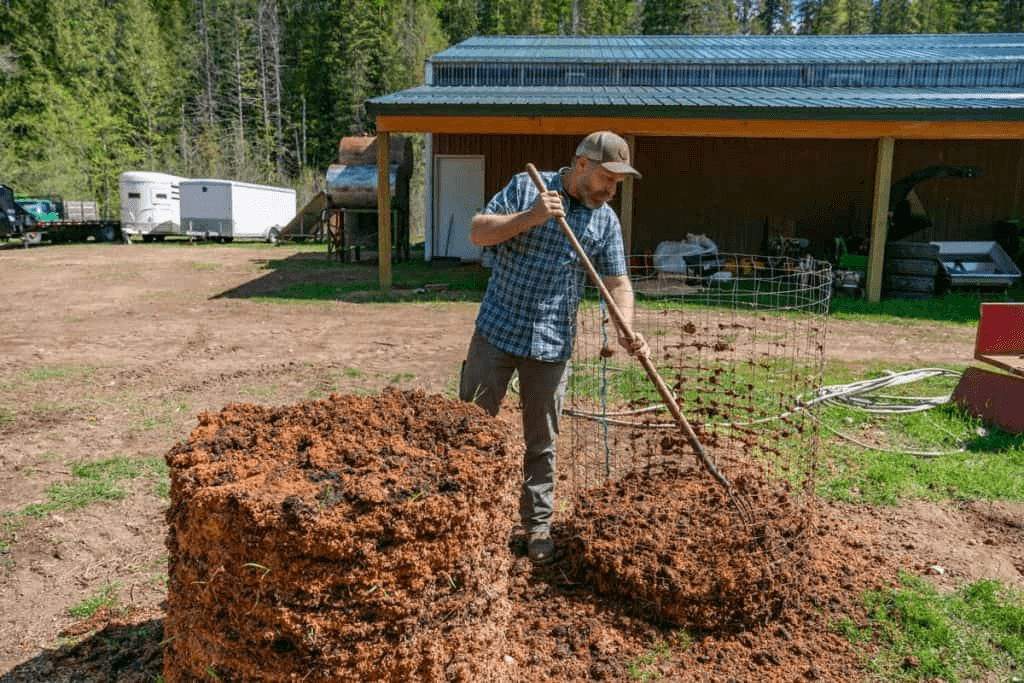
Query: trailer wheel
[105,233]
[273,236]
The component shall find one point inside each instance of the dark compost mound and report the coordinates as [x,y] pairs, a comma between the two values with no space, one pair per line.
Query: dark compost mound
[352,538]
[669,538]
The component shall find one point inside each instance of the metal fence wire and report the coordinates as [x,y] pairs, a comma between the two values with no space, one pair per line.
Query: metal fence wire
[740,340]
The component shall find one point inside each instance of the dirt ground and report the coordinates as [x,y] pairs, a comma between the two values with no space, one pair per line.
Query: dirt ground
[113,351]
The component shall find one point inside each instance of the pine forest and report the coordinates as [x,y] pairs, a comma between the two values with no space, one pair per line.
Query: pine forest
[263,90]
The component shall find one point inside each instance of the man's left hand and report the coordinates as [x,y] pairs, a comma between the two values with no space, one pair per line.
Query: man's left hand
[637,346]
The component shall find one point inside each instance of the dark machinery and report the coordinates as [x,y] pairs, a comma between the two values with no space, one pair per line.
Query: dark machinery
[906,215]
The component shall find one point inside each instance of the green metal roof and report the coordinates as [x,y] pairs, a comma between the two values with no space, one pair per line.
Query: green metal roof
[920,77]
[904,48]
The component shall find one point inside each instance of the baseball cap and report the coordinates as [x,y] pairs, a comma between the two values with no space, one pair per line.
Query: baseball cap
[608,149]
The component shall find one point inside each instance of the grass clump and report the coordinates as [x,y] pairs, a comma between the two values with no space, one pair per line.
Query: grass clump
[923,634]
[106,597]
[94,482]
[644,667]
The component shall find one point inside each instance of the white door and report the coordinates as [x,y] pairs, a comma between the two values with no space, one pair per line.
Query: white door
[458,195]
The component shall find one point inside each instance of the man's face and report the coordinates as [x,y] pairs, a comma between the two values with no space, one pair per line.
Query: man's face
[597,184]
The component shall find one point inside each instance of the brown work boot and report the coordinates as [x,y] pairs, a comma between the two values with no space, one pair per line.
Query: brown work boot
[539,547]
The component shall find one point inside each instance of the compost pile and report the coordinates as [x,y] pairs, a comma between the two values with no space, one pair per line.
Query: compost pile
[702,566]
[351,538]
[372,538]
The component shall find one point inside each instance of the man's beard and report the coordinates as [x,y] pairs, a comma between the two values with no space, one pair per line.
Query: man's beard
[592,200]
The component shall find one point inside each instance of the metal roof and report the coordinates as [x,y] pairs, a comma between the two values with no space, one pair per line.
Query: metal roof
[956,48]
[926,77]
[689,102]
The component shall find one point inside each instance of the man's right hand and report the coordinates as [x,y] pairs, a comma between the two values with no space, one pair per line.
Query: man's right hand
[488,229]
[547,206]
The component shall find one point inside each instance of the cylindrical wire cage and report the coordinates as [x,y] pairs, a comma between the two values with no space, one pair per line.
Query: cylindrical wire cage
[740,342]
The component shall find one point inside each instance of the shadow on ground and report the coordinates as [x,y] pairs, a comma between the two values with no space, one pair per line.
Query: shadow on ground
[318,276]
[110,646]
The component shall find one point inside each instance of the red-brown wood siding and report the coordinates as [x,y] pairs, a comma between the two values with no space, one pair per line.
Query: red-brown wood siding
[964,208]
[506,155]
[740,190]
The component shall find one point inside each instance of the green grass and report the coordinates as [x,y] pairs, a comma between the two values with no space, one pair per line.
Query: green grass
[916,632]
[937,454]
[107,596]
[925,635]
[955,306]
[8,534]
[644,667]
[95,482]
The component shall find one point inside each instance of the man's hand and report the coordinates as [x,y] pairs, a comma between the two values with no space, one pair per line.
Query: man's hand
[488,229]
[547,206]
[637,346]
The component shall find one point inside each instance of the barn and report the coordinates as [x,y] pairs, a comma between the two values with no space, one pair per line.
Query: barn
[739,138]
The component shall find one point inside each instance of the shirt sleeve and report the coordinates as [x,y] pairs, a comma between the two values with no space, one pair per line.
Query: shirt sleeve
[512,198]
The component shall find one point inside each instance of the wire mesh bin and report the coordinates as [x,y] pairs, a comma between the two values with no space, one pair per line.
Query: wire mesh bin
[740,341]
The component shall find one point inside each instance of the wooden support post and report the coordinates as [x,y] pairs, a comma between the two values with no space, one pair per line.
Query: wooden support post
[383,211]
[627,200]
[879,219]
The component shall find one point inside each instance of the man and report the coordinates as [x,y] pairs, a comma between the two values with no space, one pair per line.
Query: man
[527,321]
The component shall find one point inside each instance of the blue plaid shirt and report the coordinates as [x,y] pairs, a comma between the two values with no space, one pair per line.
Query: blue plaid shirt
[537,279]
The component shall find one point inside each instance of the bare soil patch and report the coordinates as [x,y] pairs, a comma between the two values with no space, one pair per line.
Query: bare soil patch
[116,351]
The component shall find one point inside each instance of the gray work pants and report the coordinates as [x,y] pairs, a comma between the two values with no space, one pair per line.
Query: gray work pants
[485,376]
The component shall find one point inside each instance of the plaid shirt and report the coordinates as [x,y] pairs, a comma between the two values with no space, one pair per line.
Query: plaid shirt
[537,280]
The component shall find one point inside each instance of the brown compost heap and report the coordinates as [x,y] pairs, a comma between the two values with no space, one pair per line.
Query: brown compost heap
[352,538]
[372,538]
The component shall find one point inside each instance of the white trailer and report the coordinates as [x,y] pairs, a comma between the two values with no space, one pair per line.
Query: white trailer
[224,210]
[150,204]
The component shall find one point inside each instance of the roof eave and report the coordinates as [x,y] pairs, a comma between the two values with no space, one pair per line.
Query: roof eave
[375,109]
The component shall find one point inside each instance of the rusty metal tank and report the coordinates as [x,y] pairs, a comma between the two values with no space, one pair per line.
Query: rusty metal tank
[352,182]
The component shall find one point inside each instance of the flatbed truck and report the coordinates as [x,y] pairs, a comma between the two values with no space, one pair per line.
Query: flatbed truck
[53,219]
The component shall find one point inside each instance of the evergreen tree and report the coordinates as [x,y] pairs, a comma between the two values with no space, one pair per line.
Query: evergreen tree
[458,19]
[809,12]
[936,16]
[980,16]
[668,17]
[847,17]
[896,16]
[775,16]
[746,17]
[1013,16]
[60,112]
[606,17]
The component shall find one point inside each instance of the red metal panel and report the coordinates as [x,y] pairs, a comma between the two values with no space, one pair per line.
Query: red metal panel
[994,397]
[1000,339]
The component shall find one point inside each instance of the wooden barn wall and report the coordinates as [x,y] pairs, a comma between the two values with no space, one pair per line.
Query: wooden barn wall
[736,191]
[506,155]
[964,208]
[739,191]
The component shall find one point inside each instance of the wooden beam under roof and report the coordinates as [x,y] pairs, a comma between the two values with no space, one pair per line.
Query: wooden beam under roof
[725,128]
